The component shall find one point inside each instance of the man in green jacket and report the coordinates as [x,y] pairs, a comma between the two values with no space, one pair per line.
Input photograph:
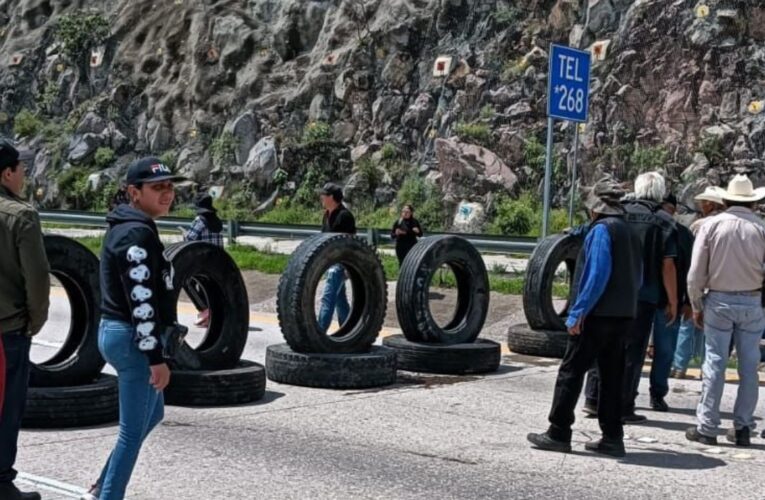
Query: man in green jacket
[24,289]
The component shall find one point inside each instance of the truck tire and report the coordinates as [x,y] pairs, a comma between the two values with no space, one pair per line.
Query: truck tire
[226,295]
[85,405]
[244,384]
[540,274]
[296,295]
[375,368]
[481,356]
[412,291]
[78,361]
[545,343]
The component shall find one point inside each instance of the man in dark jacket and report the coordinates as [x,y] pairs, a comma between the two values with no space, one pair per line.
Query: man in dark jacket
[337,219]
[24,290]
[608,279]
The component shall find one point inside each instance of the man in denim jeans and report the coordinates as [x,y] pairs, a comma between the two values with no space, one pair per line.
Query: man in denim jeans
[337,219]
[728,258]
[24,290]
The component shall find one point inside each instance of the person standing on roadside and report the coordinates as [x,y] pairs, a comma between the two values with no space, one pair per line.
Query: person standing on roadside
[728,257]
[24,301]
[659,242]
[608,276]
[137,304]
[690,340]
[337,219]
[206,227]
[406,231]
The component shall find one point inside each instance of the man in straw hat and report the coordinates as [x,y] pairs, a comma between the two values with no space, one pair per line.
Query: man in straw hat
[690,340]
[604,307]
[728,258]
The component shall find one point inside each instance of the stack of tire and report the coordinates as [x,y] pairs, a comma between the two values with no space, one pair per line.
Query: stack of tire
[453,348]
[545,333]
[346,358]
[213,373]
[69,390]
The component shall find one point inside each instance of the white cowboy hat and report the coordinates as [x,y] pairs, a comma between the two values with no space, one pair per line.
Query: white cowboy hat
[740,188]
[711,193]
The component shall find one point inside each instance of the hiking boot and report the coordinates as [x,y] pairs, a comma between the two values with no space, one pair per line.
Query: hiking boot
[739,437]
[658,404]
[610,447]
[545,442]
[590,409]
[693,434]
[633,418]
[9,491]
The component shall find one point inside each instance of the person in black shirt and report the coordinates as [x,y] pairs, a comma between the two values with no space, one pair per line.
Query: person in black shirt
[405,231]
[337,219]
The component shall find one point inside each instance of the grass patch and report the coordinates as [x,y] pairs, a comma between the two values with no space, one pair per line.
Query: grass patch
[251,259]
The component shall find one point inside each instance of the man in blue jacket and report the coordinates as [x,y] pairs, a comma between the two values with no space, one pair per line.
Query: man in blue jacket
[603,311]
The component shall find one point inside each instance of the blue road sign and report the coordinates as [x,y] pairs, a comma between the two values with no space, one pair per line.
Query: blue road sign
[568,84]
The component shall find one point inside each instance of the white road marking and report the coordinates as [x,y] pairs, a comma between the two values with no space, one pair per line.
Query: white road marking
[51,485]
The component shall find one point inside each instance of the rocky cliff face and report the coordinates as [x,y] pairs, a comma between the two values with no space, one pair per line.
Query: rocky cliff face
[269,97]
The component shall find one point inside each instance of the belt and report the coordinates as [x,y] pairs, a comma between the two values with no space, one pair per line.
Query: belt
[750,293]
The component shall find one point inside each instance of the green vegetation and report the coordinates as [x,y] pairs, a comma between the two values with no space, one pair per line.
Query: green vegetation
[713,150]
[104,157]
[427,200]
[27,124]
[73,184]
[48,96]
[223,148]
[505,16]
[316,132]
[487,112]
[388,152]
[513,69]
[287,213]
[513,217]
[169,158]
[80,32]
[477,133]
[646,159]
[534,154]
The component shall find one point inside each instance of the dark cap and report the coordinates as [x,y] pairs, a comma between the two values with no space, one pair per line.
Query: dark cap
[10,156]
[203,202]
[603,198]
[333,190]
[670,199]
[150,169]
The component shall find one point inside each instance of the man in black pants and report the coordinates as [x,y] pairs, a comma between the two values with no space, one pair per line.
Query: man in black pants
[658,237]
[603,311]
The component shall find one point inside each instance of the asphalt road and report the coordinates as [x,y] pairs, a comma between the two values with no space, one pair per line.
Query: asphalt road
[427,437]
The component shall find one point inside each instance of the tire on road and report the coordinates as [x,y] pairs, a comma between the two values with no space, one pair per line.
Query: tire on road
[296,295]
[375,368]
[225,293]
[540,275]
[481,356]
[412,291]
[545,343]
[78,361]
[85,405]
[244,384]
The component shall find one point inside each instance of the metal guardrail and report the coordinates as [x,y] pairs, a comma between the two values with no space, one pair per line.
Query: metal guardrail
[234,229]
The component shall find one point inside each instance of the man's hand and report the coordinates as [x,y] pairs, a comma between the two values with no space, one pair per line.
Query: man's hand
[576,329]
[160,376]
[671,312]
[416,230]
[687,312]
[698,319]
[400,232]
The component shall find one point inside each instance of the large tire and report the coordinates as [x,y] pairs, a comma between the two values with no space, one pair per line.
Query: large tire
[412,291]
[545,343]
[481,356]
[296,295]
[75,406]
[78,361]
[540,274]
[244,384]
[331,371]
[226,296]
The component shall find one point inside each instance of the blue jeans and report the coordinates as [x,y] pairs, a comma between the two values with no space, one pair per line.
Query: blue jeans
[726,315]
[334,296]
[141,406]
[16,345]
[690,344]
[664,344]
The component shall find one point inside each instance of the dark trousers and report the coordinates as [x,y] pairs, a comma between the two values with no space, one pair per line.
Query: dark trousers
[601,342]
[635,345]
[16,346]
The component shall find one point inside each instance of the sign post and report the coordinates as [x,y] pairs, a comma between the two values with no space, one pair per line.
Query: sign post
[568,96]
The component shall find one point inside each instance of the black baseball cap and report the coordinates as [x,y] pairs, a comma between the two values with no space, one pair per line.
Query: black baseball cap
[10,156]
[204,204]
[150,169]
[333,190]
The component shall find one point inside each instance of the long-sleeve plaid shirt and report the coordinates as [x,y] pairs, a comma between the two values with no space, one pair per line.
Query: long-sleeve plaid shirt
[200,232]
